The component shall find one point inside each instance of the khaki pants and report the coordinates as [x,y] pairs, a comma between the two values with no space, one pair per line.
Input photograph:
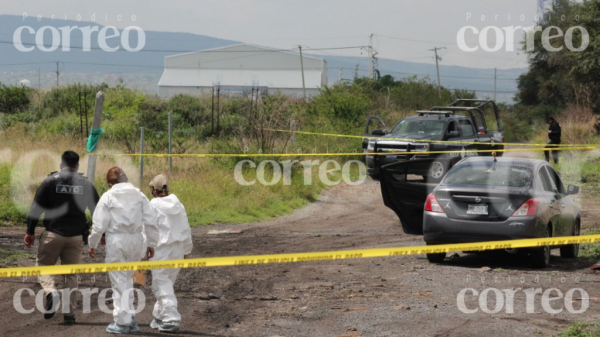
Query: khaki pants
[52,247]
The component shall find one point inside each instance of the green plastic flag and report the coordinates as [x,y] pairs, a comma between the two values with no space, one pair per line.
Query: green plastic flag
[93,139]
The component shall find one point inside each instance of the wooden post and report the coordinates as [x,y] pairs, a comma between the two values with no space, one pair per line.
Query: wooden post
[170,142]
[91,170]
[85,109]
[212,112]
[80,111]
[293,134]
[218,106]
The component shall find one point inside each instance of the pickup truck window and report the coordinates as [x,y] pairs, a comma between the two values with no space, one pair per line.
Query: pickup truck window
[480,124]
[452,127]
[466,128]
[419,127]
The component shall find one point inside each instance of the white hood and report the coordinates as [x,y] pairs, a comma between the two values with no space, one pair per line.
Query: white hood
[124,210]
[173,225]
[168,205]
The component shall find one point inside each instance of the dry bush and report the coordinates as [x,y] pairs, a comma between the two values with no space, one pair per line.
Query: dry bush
[577,124]
[258,122]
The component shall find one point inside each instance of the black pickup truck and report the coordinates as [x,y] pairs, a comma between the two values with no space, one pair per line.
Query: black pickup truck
[464,120]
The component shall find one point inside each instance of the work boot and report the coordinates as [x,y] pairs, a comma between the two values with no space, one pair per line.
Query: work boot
[69,319]
[135,328]
[49,313]
[117,329]
[172,326]
[155,323]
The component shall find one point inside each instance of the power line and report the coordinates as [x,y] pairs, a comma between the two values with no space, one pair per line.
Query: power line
[282,68]
[219,50]
[23,64]
[423,41]
[451,46]
[233,39]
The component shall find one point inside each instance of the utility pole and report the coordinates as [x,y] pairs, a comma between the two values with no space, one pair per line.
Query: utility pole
[495,71]
[437,67]
[302,68]
[356,71]
[57,74]
[371,65]
[91,169]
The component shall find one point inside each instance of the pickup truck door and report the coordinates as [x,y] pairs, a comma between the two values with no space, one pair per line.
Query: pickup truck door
[373,123]
[468,134]
[405,194]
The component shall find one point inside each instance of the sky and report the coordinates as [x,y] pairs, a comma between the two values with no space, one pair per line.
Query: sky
[403,29]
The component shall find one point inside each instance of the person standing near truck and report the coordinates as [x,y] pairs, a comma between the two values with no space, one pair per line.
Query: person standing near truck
[62,198]
[554,134]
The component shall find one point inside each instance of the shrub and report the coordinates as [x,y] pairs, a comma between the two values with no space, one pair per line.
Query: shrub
[14,99]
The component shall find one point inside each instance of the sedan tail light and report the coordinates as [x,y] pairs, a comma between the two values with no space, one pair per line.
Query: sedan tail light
[432,205]
[528,208]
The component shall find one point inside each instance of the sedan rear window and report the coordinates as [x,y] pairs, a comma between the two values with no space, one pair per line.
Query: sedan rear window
[489,174]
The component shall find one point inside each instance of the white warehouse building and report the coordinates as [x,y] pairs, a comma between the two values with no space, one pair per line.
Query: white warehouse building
[236,69]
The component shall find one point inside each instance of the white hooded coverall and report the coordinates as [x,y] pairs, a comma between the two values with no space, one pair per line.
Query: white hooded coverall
[175,241]
[125,215]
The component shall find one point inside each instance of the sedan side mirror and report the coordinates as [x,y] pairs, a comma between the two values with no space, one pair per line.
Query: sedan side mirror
[572,190]
[453,134]
[378,132]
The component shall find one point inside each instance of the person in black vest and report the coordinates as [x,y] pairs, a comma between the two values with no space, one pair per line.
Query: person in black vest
[554,133]
[63,198]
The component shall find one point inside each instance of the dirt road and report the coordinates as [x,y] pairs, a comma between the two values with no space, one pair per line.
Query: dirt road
[396,296]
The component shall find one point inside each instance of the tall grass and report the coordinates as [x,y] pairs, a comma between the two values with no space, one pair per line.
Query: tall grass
[205,186]
[578,126]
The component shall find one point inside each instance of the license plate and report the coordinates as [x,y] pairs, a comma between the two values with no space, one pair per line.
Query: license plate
[478,209]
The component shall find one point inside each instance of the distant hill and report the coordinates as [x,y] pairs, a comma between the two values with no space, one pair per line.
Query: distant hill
[146,66]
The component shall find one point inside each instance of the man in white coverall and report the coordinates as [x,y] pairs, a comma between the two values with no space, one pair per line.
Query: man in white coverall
[125,215]
[175,243]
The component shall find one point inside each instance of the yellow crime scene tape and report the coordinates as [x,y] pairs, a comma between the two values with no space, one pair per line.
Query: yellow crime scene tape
[222,155]
[424,140]
[292,257]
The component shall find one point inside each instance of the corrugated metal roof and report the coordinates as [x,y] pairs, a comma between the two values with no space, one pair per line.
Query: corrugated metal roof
[248,65]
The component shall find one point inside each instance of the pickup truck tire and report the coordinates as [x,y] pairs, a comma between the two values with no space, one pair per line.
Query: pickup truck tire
[437,171]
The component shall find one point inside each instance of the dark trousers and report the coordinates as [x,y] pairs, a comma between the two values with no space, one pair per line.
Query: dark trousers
[552,144]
